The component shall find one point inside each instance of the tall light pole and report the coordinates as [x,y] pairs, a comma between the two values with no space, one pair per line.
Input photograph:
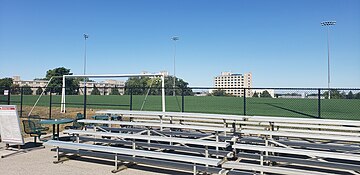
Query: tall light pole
[86,36]
[174,38]
[327,24]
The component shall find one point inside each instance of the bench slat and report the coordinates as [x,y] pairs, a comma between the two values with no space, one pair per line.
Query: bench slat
[154,138]
[303,120]
[158,125]
[126,151]
[311,153]
[173,114]
[270,169]
[303,135]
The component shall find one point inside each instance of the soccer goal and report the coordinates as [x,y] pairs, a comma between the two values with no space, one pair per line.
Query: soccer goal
[63,96]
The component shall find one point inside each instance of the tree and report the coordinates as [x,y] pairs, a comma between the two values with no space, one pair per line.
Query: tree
[38,91]
[256,95]
[95,91]
[350,95]
[140,86]
[265,94]
[136,85]
[219,92]
[357,96]
[335,94]
[5,83]
[27,90]
[72,84]
[343,95]
[114,91]
[15,89]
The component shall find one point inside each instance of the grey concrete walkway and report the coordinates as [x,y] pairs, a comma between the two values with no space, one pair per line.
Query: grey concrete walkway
[39,162]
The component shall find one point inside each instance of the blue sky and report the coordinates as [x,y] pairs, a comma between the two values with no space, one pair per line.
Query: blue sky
[281,42]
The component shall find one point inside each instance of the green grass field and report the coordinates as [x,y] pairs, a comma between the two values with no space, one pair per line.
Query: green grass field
[332,109]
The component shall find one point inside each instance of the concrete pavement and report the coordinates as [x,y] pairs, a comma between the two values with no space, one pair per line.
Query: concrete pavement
[40,162]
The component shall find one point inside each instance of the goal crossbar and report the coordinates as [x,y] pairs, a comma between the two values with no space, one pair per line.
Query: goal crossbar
[63,109]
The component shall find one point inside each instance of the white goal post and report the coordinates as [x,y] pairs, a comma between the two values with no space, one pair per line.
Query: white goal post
[63,109]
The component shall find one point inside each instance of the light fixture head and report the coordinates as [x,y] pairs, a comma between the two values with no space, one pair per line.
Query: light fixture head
[175,38]
[328,23]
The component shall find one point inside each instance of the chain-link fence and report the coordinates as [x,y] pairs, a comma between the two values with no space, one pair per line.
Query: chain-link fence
[287,102]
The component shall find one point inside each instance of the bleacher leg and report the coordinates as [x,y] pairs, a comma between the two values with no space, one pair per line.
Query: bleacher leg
[225,125]
[133,146]
[206,153]
[266,144]
[116,162]
[217,141]
[261,161]
[148,133]
[194,169]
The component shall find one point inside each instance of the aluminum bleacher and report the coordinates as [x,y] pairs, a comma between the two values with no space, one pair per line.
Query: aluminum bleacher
[220,144]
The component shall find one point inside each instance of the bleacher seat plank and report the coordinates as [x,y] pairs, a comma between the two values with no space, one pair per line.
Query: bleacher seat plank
[126,151]
[270,169]
[154,138]
[303,135]
[178,126]
[311,153]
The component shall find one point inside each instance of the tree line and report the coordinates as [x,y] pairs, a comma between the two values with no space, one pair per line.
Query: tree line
[135,85]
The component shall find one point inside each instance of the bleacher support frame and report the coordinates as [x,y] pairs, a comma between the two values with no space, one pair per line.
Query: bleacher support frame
[256,144]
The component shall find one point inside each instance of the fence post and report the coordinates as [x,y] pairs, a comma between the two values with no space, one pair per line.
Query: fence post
[182,100]
[131,96]
[21,101]
[9,93]
[244,101]
[85,94]
[50,103]
[319,105]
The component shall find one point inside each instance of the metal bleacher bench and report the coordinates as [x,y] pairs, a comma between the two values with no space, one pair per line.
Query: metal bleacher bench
[304,152]
[310,121]
[258,144]
[160,125]
[170,114]
[308,135]
[153,138]
[195,160]
[269,169]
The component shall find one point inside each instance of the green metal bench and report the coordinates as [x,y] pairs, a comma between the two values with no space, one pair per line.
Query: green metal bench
[106,117]
[32,129]
[77,125]
[36,120]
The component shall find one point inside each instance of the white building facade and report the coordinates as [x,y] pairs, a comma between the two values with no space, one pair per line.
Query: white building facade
[104,86]
[234,84]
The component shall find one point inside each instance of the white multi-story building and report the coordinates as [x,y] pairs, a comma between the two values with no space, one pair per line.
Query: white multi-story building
[234,84]
[34,84]
[104,86]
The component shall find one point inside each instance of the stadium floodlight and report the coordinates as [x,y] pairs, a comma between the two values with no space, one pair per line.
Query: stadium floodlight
[174,38]
[86,36]
[328,24]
